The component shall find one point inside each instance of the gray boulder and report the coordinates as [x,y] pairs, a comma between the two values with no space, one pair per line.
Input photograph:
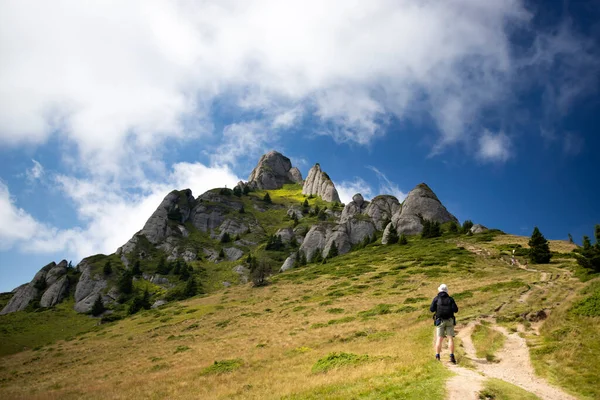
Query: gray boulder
[295,210]
[88,288]
[159,303]
[286,234]
[24,294]
[318,183]
[176,206]
[357,206]
[421,202]
[233,253]
[315,240]
[20,300]
[56,292]
[381,210]
[289,263]
[273,171]
[478,228]
[243,272]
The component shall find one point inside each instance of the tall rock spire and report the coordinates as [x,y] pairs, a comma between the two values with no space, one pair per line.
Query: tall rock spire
[273,171]
[318,183]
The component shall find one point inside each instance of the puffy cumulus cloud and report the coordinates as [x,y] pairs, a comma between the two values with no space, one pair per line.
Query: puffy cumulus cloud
[347,189]
[494,147]
[118,79]
[109,214]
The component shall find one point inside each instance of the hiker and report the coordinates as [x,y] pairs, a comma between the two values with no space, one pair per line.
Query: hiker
[444,308]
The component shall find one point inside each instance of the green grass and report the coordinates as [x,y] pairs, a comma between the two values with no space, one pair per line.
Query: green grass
[28,330]
[496,389]
[222,367]
[487,341]
[337,360]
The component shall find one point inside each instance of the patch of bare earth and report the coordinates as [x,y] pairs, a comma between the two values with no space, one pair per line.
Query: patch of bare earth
[513,365]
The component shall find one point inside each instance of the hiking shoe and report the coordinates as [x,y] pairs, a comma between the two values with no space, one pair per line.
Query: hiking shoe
[437,357]
[452,359]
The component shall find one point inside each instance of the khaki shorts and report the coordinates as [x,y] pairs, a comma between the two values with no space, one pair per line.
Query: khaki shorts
[446,328]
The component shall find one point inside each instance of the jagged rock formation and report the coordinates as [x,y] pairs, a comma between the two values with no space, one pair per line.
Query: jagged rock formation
[318,183]
[90,285]
[478,228]
[49,286]
[381,210]
[273,171]
[420,203]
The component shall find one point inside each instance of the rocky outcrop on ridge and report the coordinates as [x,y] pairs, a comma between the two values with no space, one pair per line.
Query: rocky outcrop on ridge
[49,286]
[381,210]
[421,203]
[478,228]
[89,287]
[318,183]
[273,171]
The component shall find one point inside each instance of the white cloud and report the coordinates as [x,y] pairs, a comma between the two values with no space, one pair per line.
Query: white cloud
[388,187]
[242,140]
[347,189]
[35,172]
[108,213]
[118,79]
[15,224]
[494,147]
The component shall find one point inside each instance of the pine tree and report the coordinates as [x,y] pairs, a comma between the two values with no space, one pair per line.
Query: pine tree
[392,235]
[246,190]
[225,238]
[146,305]
[570,239]
[222,253]
[237,191]
[185,272]
[374,238]
[293,242]
[539,252]
[107,268]
[136,270]
[260,273]
[98,307]
[453,227]
[242,210]
[162,267]
[466,226]
[426,229]
[305,207]
[177,268]
[191,288]
[333,250]
[597,235]
[402,240]
[322,216]
[267,198]
[295,219]
[303,261]
[126,282]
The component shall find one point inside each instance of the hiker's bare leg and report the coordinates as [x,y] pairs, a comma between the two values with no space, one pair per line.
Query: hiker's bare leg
[438,344]
[451,344]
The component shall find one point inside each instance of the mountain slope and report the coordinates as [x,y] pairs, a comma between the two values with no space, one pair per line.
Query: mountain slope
[357,326]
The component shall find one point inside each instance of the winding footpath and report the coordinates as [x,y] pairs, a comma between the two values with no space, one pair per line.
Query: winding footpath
[514,366]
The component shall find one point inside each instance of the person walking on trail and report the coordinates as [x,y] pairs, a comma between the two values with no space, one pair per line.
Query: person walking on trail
[444,308]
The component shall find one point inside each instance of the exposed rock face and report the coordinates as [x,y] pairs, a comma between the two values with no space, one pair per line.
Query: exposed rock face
[478,228]
[90,285]
[20,300]
[381,210]
[273,171]
[49,285]
[233,253]
[286,234]
[357,206]
[243,272]
[315,240]
[289,263]
[421,202]
[175,206]
[55,293]
[318,183]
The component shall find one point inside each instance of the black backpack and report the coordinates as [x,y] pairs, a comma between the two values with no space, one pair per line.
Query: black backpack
[444,308]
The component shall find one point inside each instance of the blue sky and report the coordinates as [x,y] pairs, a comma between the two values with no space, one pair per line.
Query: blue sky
[103,111]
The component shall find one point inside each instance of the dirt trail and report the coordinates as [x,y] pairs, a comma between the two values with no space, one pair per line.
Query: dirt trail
[513,366]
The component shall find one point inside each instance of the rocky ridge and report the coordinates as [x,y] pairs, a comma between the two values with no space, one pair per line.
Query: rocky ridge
[318,183]
[273,171]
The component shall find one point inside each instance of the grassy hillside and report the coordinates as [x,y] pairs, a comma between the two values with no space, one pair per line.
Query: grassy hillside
[356,327]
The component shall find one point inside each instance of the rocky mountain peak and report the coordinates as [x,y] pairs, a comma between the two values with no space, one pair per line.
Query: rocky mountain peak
[273,171]
[318,183]
[421,203]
